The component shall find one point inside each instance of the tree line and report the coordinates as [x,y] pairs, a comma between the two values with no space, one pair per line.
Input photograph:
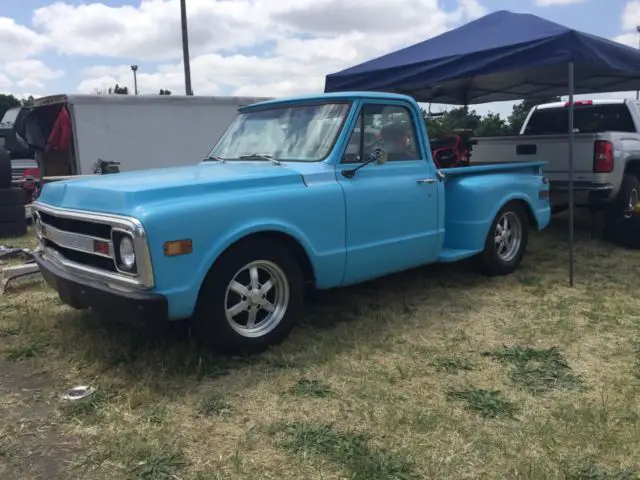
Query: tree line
[119,90]
[491,124]
[8,101]
[488,125]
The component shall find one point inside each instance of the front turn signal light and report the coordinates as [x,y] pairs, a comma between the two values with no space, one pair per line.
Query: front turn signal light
[178,247]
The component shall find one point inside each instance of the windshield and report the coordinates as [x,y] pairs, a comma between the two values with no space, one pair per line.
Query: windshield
[9,118]
[303,133]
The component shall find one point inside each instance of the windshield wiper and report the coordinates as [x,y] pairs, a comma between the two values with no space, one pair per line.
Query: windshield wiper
[214,158]
[260,156]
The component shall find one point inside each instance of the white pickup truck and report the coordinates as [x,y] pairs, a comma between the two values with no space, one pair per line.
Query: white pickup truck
[606,153]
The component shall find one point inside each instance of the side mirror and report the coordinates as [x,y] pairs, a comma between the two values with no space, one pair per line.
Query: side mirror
[378,155]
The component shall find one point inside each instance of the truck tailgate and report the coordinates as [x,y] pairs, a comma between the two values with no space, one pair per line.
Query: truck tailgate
[553,149]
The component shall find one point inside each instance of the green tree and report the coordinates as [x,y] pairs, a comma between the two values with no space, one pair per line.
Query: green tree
[118,90]
[27,102]
[7,102]
[453,119]
[521,110]
[492,125]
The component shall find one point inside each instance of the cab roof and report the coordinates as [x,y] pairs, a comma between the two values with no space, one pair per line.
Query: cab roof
[351,96]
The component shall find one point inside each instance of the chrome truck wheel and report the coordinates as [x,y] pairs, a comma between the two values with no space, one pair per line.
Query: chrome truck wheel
[506,241]
[251,298]
[257,299]
[508,236]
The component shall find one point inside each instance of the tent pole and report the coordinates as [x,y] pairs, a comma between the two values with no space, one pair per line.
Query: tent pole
[571,209]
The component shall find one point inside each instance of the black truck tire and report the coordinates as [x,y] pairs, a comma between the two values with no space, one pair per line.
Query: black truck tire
[5,168]
[621,207]
[493,261]
[10,214]
[12,197]
[230,296]
[624,232]
[13,229]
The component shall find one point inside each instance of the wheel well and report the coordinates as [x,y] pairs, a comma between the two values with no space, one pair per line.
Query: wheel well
[292,246]
[633,167]
[533,221]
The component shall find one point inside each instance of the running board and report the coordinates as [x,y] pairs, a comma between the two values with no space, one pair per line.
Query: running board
[453,255]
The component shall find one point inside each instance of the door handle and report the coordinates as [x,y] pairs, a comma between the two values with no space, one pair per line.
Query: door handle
[427,180]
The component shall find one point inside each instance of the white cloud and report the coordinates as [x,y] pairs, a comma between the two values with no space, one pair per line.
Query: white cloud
[630,18]
[151,31]
[5,82]
[32,70]
[244,47]
[631,15]
[17,42]
[630,39]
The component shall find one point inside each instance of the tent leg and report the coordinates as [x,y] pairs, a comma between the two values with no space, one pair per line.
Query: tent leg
[571,205]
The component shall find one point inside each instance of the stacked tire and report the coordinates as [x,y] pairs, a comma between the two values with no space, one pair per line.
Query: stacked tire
[13,222]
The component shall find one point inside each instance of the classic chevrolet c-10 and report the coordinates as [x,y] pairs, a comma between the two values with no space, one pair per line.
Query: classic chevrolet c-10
[316,192]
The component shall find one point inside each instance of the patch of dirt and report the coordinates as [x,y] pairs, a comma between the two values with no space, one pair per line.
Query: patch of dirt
[31,443]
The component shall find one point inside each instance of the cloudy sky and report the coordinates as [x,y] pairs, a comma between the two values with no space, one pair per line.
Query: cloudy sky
[243,47]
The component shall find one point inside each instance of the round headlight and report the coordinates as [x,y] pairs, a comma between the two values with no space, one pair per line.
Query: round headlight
[127,254]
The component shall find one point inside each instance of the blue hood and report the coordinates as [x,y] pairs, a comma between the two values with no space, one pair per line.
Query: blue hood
[124,193]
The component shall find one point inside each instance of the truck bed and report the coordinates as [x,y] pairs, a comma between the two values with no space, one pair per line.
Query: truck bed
[552,149]
[493,167]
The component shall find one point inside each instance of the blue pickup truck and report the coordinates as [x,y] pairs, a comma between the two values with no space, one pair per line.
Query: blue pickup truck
[316,192]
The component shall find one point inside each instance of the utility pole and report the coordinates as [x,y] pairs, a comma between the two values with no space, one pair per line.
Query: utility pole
[185,48]
[638,31]
[134,69]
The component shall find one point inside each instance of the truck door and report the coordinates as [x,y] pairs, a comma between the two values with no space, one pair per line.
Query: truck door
[392,208]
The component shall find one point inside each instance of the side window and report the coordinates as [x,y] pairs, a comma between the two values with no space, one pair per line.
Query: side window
[389,127]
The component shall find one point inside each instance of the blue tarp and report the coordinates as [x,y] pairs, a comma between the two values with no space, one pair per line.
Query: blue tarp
[502,56]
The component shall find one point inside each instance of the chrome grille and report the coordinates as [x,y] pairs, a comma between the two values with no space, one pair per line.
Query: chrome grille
[74,241]
[84,241]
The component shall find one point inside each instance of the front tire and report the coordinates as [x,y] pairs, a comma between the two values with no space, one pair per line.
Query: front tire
[251,299]
[506,241]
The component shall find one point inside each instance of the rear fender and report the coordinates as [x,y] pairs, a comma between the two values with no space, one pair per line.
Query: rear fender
[525,201]
[466,228]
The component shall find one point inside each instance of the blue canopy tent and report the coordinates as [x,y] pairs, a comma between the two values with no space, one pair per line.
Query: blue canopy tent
[499,57]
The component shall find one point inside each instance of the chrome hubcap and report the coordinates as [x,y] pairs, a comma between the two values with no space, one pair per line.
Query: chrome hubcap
[256,299]
[508,236]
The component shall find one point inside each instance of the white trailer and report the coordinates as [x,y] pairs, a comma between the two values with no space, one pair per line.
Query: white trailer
[138,131]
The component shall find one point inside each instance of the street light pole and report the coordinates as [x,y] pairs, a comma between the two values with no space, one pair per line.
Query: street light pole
[638,31]
[185,48]
[134,69]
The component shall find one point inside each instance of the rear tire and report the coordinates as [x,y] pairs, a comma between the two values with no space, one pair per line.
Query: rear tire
[506,241]
[5,168]
[622,206]
[251,298]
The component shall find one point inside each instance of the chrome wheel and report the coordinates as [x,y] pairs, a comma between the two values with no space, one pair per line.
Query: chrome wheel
[631,206]
[256,299]
[508,236]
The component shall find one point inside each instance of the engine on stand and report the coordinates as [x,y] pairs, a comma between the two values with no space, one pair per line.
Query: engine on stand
[453,149]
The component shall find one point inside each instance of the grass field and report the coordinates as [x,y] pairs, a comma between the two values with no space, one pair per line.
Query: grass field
[437,373]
